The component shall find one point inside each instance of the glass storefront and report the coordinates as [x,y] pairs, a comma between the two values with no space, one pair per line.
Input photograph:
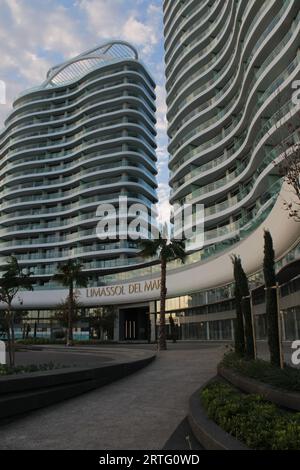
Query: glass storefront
[292,324]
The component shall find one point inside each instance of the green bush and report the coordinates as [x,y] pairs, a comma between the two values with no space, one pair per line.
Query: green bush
[8,370]
[48,341]
[60,334]
[287,378]
[39,341]
[250,419]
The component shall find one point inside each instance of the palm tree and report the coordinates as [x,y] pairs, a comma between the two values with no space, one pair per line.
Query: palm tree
[70,275]
[166,250]
[12,281]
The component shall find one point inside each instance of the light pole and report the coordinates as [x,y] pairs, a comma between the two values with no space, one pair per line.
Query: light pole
[250,298]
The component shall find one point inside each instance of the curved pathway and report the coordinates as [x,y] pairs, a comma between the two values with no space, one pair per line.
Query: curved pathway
[138,412]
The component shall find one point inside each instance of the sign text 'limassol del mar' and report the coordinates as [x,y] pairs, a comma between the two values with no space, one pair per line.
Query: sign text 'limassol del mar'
[124,290]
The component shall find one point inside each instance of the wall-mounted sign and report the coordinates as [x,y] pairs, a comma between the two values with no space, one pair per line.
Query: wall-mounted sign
[123,290]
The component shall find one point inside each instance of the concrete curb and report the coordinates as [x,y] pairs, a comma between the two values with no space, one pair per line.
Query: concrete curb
[282,398]
[21,394]
[208,433]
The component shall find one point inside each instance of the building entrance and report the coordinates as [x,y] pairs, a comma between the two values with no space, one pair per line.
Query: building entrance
[135,324]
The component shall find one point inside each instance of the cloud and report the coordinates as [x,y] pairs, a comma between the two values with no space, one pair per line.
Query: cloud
[125,19]
[161,109]
[164,207]
[32,32]
[36,35]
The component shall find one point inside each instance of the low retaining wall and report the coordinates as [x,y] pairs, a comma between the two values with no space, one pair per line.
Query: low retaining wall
[282,398]
[208,433]
[20,394]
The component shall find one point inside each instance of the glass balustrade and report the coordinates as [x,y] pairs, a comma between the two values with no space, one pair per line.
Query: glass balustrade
[268,92]
[207,85]
[284,111]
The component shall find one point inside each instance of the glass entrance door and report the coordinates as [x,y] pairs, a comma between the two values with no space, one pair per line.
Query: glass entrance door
[130,330]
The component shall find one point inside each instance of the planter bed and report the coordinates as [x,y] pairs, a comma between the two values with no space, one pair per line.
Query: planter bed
[206,431]
[26,392]
[224,418]
[279,397]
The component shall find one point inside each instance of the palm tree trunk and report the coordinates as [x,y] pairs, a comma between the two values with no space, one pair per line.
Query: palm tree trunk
[163,295]
[10,336]
[70,316]
[13,349]
[9,339]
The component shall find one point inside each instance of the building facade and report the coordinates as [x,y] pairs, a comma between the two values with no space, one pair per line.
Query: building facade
[231,67]
[82,139]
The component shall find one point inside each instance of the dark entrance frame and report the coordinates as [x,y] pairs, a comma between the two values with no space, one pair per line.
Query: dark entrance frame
[134,324]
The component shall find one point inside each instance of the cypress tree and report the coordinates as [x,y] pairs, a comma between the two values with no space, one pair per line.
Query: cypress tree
[239,335]
[247,313]
[271,300]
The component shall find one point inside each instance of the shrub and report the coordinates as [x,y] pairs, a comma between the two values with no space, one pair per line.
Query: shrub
[8,370]
[37,341]
[287,378]
[60,334]
[250,419]
[48,341]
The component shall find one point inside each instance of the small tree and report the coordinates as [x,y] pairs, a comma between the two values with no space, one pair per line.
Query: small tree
[289,164]
[70,275]
[271,300]
[12,281]
[290,170]
[3,325]
[173,329]
[61,314]
[239,333]
[166,250]
[103,320]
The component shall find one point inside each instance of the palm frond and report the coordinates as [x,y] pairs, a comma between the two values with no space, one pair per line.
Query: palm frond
[71,273]
[149,248]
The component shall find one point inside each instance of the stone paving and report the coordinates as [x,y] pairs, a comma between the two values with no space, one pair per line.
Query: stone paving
[138,412]
[87,356]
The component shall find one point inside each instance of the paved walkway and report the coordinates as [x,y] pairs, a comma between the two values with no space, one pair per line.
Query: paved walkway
[139,412]
[85,356]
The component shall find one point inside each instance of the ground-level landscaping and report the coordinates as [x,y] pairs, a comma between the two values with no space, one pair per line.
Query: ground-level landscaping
[250,419]
[286,379]
[49,341]
[8,370]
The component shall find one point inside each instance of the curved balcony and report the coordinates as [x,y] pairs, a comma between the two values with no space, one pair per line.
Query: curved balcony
[225,125]
[84,138]
[190,92]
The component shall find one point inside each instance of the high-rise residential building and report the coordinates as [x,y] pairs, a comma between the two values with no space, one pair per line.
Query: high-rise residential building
[230,66]
[232,72]
[83,138]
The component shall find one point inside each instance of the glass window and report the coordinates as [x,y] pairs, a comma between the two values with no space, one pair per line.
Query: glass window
[261,327]
[215,332]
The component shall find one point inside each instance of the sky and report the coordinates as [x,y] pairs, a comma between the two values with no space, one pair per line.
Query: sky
[38,34]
